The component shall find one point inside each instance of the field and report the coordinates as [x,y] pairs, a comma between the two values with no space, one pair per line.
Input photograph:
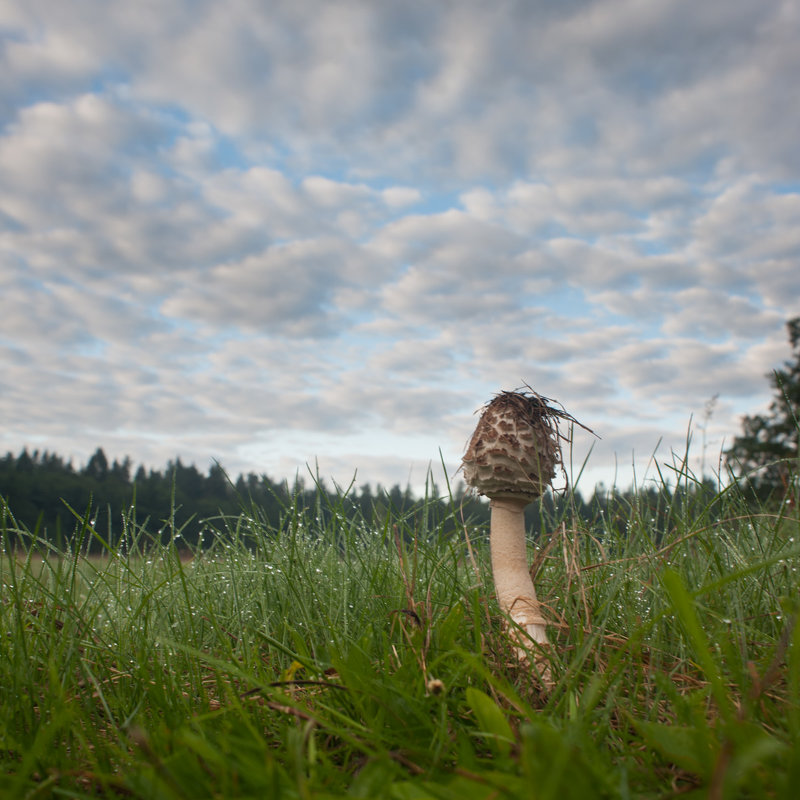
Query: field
[331,657]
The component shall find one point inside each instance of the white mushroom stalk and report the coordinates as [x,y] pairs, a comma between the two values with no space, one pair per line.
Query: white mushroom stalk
[512,578]
[512,458]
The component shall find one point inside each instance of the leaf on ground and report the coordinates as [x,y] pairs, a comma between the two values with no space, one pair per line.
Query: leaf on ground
[492,720]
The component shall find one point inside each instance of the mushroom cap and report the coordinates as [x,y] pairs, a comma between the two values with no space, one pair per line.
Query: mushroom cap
[515,449]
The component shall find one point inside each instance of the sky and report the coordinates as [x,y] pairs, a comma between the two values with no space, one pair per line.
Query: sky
[306,237]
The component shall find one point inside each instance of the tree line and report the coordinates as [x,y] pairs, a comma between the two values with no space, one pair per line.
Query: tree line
[47,496]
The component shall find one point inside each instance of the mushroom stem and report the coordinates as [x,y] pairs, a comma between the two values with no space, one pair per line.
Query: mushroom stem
[512,578]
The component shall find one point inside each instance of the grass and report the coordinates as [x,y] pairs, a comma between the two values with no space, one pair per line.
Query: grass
[334,658]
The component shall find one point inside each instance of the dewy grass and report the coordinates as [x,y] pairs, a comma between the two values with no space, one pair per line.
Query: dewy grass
[332,657]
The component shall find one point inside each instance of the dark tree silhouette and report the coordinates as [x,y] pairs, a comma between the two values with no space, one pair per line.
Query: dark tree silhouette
[765,458]
[97,468]
[45,495]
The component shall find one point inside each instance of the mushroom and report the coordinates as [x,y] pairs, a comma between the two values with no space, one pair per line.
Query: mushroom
[511,459]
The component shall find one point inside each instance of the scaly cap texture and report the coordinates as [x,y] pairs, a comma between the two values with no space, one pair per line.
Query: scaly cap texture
[516,447]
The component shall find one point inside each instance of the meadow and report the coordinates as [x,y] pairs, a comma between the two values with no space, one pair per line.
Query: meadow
[329,657]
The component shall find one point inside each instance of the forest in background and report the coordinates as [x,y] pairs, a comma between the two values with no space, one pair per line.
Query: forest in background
[45,493]
[48,496]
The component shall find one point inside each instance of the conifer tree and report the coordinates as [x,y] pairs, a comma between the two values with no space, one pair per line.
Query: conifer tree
[765,456]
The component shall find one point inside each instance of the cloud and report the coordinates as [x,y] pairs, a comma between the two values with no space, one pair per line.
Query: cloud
[465,89]
[286,289]
[53,154]
[399,196]
[749,220]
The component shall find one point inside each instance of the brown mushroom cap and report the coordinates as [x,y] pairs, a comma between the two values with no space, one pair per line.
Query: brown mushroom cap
[516,447]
